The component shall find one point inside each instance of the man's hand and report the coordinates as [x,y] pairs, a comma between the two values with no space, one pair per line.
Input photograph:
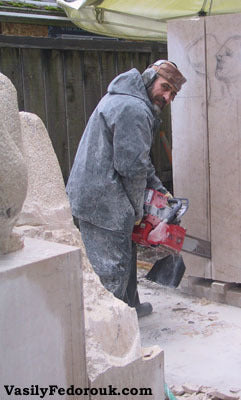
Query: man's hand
[168,195]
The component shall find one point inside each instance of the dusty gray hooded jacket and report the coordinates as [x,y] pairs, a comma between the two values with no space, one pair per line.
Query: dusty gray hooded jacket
[112,166]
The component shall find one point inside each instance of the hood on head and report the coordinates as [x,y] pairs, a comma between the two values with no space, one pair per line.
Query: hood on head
[129,83]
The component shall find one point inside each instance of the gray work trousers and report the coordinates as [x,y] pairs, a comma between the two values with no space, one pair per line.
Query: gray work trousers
[112,255]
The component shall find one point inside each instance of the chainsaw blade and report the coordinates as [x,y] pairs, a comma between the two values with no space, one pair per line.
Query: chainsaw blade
[196,246]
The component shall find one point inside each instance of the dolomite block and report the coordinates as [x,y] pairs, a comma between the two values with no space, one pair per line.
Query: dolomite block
[12,167]
[219,291]
[233,297]
[41,317]
[224,124]
[220,288]
[186,47]
[197,287]
[144,378]
[212,55]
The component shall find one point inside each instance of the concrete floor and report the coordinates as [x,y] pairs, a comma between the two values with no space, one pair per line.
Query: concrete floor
[201,339]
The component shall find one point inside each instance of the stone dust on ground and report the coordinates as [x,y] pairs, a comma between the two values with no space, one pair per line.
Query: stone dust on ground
[201,342]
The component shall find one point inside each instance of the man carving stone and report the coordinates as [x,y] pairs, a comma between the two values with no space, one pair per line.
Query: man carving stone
[112,168]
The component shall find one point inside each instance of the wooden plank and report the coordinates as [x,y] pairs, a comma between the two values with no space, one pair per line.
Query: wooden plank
[158,53]
[140,61]
[68,42]
[74,96]
[108,69]
[160,160]
[91,82]
[124,62]
[33,82]
[56,107]
[10,65]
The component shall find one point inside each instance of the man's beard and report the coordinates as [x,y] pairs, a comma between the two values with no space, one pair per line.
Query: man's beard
[157,109]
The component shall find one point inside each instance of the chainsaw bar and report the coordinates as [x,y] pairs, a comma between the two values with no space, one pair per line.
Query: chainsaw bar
[196,246]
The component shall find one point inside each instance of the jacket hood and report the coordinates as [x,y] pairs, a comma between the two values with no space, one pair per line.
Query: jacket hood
[130,83]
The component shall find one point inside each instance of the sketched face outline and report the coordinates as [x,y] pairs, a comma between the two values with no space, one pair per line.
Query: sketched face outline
[228,58]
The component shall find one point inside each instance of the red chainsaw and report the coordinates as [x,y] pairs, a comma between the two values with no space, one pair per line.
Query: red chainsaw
[160,226]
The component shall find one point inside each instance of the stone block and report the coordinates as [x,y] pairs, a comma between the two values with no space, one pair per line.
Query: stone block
[42,318]
[220,287]
[197,287]
[219,290]
[144,378]
[233,297]
[206,138]
[224,124]
[186,47]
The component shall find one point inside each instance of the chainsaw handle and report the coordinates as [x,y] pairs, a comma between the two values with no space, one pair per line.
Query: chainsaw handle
[184,208]
[181,208]
[177,206]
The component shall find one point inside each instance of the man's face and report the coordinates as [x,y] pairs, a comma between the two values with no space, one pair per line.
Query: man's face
[161,93]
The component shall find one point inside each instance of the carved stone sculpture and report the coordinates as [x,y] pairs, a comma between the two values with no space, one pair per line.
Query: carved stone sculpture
[13,170]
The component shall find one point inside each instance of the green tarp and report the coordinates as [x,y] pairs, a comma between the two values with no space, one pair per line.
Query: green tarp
[140,19]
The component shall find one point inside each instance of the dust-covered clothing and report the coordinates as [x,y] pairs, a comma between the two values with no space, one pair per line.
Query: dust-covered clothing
[111,170]
[112,166]
[112,255]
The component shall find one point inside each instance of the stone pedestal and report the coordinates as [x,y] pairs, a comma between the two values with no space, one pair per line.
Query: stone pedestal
[42,320]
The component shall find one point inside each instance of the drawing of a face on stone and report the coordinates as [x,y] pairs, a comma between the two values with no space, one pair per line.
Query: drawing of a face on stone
[196,56]
[228,57]
[197,52]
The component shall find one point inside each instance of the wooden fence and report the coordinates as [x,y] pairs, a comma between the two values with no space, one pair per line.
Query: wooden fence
[61,80]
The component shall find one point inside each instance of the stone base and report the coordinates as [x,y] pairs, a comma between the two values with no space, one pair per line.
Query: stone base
[220,292]
[41,318]
[42,339]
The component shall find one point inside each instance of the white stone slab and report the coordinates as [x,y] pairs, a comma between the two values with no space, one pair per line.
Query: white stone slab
[186,47]
[224,125]
[41,318]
